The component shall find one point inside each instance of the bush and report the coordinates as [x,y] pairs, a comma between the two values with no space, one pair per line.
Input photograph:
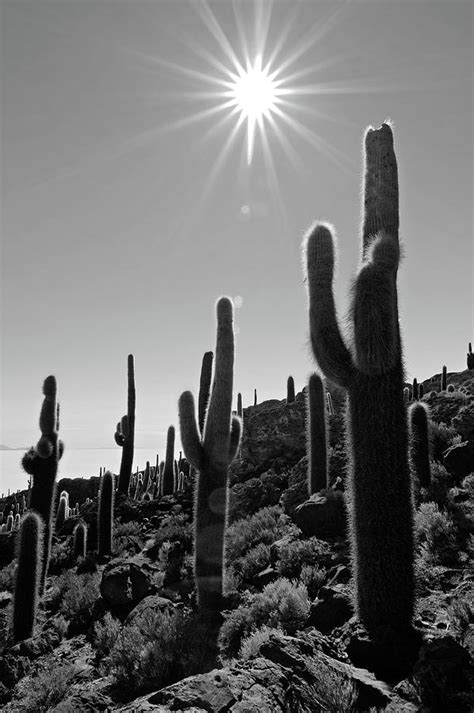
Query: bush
[105,635]
[158,649]
[281,604]
[313,578]
[439,486]
[7,577]
[294,555]
[175,528]
[253,562]
[265,526]
[441,437]
[434,529]
[48,689]
[251,644]
[75,597]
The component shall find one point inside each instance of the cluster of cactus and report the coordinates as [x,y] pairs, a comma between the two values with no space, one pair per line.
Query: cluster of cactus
[379,484]
[125,432]
[210,448]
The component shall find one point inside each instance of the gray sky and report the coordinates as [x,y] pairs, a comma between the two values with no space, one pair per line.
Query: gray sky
[121,229]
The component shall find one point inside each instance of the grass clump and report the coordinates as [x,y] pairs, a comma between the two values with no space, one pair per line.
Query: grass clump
[298,553]
[75,597]
[47,690]
[435,535]
[265,526]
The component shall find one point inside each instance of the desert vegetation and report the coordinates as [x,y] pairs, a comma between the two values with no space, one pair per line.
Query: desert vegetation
[313,553]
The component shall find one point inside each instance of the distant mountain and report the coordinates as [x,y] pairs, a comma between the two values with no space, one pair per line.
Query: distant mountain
[5,448]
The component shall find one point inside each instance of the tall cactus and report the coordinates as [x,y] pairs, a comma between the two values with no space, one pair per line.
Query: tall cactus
[240,412]
[106,514]
[211,454]
[419,443]
[316,436]
[169,473]
[415,390]
[127,439]
[42,464]
[290,390]
[28,576]
[381,506]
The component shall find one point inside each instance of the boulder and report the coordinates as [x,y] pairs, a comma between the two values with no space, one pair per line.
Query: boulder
[323,515]
[124,584]
[151,603]
[285,674]
[332,608]
[459,460]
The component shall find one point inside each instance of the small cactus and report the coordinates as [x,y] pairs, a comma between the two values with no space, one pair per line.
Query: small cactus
[80,540]
[255,397]
[106,514]
[62,513]
[470,357]
[169,471]
[444,377]
[28,576]
[419,443]
[415,390]
[290,390]
[451,389]
[316,436]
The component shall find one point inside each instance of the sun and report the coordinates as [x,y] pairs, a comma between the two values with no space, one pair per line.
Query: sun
[254,93]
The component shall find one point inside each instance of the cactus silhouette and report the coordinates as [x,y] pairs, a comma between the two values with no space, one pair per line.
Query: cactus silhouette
[125,433]
[316,435]
[421,391]
[470,357]
[239,406]
[42,464]
[379,487]
[169,470]
[419,443]
[415,391]
[211,454]
[290,390]
[204,387]
[28,576]
[106,514]
[80,540]
[255,397]
[444,378]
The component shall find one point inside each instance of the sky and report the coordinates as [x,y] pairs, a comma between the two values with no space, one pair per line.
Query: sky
[129,204]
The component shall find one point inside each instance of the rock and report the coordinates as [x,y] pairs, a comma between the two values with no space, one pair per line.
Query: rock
[444,674]
[272,430]
[459,460]
[332,608]
[285,674]
[86,697]
[125,584]
[323,515]
[463,422]
[152,603]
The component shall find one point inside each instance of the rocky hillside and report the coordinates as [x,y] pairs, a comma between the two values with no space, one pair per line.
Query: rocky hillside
[122,632]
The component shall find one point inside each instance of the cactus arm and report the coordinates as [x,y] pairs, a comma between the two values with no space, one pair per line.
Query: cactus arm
[235,435]
[375,314]
[380,186]
[329,349]
[204,387]
[190,437]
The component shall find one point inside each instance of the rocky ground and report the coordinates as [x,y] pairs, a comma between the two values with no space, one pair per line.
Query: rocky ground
[123,634]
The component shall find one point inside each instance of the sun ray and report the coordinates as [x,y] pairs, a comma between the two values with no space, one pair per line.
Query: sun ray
[211,22]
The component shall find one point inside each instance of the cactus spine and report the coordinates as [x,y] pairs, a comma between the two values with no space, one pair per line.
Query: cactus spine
[42,464]
[211,454]
[106,514]
[419,443]
[126,440]
[28,576]
[316,435]
[80,540]
[380,496]
[290,390]
[169,470]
